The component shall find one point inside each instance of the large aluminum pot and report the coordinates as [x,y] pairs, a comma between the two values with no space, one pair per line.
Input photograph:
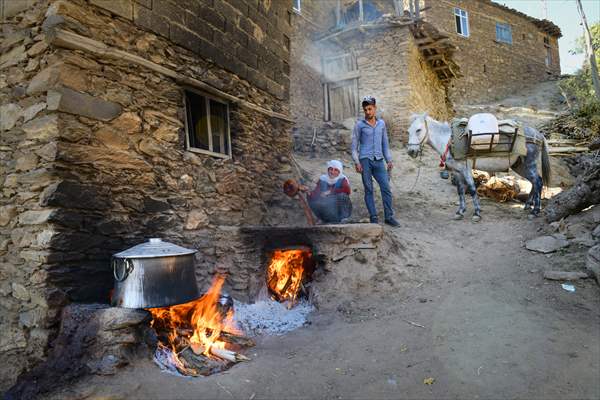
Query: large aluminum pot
[154,274]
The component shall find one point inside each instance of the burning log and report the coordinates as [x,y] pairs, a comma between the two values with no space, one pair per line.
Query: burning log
[236,339]
[199,364]
[225,354]
[191,334]
[228,355]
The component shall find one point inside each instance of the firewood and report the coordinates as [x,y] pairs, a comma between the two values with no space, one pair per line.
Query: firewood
[228,355]
[287,284]
[568,149]
[200,364]
[236,339]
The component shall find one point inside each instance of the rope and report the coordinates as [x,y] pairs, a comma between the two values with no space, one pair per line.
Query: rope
[418,173]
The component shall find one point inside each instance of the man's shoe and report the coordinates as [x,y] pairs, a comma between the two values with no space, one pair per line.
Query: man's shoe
[373,220]
[392,222]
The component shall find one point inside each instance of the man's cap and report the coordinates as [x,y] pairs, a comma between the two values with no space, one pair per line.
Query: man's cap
[368,100]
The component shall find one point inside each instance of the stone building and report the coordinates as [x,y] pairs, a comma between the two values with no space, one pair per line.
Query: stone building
[453,51]
[124,120]
[498,49]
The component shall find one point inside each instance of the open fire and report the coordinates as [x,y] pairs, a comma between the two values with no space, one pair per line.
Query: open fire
[201,337]
[195,336]
[286,271]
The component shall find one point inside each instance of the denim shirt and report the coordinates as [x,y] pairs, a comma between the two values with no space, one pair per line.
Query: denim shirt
[370,142]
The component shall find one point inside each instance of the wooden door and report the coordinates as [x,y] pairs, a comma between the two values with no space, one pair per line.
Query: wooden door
[340,87]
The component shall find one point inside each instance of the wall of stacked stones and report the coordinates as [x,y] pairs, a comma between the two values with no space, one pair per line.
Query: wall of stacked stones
[383,60]
[93,161]
[306,94]
[427,93]
[491,69]
[28,149]
[250,38]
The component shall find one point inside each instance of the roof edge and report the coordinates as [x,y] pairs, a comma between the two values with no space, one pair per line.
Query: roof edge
[543,24]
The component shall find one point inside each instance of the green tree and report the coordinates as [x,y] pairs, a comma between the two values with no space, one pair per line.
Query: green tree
[580,42]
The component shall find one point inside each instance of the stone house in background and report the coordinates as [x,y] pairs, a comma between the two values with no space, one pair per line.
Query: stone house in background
[499,50]
[125,120]
[458,51]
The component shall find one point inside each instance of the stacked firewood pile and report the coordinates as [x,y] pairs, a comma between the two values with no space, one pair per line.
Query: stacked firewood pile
[567,135]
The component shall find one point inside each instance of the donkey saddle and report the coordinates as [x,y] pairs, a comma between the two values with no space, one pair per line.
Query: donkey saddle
[483,136]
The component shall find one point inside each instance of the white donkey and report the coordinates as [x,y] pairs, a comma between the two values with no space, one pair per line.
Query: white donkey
[425,130]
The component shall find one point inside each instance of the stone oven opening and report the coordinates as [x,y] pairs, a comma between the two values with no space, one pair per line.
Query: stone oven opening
[288,271]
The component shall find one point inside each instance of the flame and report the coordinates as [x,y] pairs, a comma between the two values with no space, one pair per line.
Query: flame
[198,323]
[284,273]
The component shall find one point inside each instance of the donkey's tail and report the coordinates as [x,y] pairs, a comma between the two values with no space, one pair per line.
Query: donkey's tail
[546,168]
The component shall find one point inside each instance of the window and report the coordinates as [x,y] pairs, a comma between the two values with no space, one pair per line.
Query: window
[360,12]
[548,51]
[503,33]
[462,22]
[207,122]
[297,5]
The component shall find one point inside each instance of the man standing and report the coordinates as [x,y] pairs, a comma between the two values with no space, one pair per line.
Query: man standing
[370,147]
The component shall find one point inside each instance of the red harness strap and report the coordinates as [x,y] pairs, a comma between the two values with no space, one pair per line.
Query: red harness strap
[444,155]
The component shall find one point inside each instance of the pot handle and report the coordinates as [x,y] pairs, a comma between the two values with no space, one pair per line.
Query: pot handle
[125,271]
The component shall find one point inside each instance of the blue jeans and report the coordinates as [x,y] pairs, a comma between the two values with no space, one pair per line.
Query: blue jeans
[378,170]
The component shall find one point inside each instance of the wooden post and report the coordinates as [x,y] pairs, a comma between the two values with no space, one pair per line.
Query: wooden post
[417,9]
[397,8]
[590,50]
[338,13]
[361,15]
[411,8]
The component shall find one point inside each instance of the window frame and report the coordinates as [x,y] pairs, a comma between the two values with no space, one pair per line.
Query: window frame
[207,98]
[507,28]
[549,59]
[458,13]
[297,3]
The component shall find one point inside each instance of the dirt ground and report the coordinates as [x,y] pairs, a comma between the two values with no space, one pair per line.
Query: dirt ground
[471,310]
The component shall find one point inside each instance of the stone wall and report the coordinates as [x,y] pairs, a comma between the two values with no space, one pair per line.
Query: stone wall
[306,94]
[427,93]
[250,38]
[491,69]
[28,148]
[93,159]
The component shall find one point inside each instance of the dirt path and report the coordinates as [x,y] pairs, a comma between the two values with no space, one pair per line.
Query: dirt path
[490,325]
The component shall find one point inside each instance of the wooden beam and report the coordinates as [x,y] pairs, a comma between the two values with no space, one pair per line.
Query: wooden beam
[432,45]
[435,57]
[423,41]
[361,14]
[341,77]
[69,40]
[427,41]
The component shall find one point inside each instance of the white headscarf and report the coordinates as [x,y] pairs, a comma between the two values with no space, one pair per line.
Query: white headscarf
[337,165]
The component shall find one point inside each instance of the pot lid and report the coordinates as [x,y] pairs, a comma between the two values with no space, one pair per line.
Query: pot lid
[154,248]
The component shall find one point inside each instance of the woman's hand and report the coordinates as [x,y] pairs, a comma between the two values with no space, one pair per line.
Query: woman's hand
[327,193]
[303,188]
